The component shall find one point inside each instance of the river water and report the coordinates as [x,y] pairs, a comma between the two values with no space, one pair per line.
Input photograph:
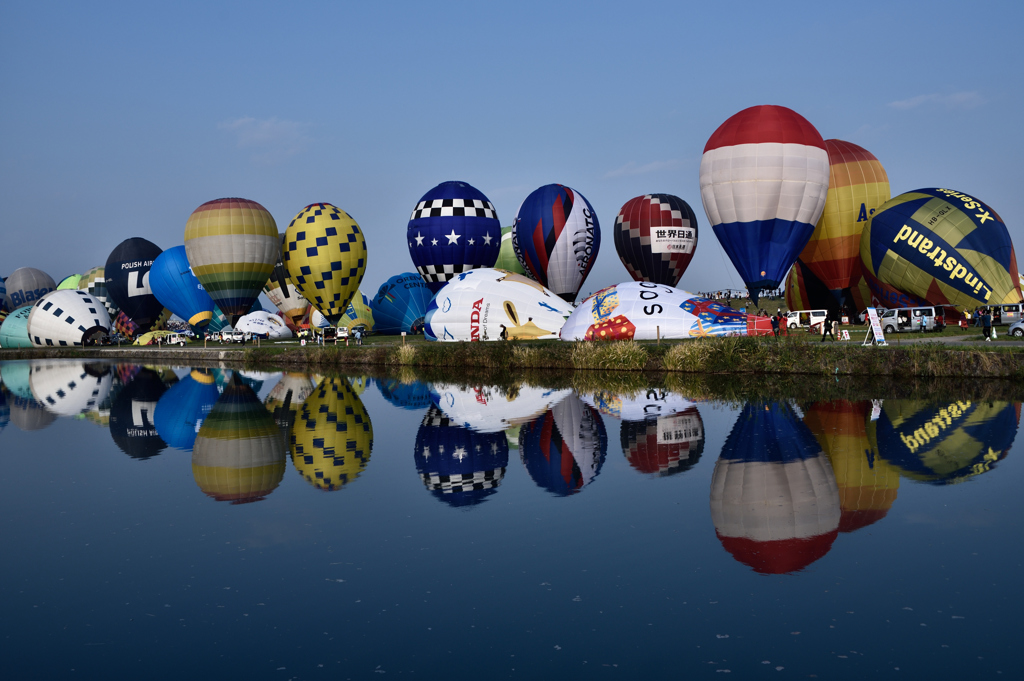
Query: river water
[173,522]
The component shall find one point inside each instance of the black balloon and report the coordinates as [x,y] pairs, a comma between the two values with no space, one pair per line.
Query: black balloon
[127,279]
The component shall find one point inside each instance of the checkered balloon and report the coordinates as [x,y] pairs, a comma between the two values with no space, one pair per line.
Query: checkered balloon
[325,254]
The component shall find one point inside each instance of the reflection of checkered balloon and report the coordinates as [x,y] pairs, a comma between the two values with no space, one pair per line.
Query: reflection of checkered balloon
[325,254]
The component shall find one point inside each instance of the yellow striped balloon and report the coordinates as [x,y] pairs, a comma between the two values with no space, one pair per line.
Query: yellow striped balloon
[332,438]
[232,245]
[325,255]
[857,186]
[358,313]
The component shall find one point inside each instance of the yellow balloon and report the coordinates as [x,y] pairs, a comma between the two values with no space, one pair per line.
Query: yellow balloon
[332,437]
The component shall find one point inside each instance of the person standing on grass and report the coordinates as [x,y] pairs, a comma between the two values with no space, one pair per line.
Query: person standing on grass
[775,326]
[986,324]
[826,328]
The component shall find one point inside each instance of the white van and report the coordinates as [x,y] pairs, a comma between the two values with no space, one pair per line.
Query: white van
[1006,314]
[913,319]
[805,318]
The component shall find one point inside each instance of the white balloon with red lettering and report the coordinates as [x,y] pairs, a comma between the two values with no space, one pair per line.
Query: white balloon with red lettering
[488,304]
[490,409]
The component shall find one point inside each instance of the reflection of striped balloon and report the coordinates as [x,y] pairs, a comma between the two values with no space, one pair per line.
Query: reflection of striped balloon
[332,437]
[764,180]
[857,186]
[232,245]
[867,484]
[238,455]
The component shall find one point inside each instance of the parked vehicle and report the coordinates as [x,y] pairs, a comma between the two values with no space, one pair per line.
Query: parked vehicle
[1006,314]
[913,319]
[862,316]
[176,339]
[1017,329]
[805,318]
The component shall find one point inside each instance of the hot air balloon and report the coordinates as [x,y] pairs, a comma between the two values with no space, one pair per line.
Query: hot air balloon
[774,500]
[867,483]
[131,415]
[178,289]
[69,388]
[804,291]
[459,466]
[181,410]
[67,317]
[27,285]
[238,455]
[857,186]
[3,297]
[556,237]
[127,280]
[944,442]
[401,304]
[69,282]
[220,321]
[764,181]
[641,310]
[232,245]
[564,449]
[26,414]
[358,314]
[655,237]
[263,323]
[14,330]
[5,410]
[94,282]
[507,259]
[284,401]
[663,445]
[332,438]
[325,256]
[944,246]
[414,395]
[490,409]
[477,304]
[284,294]
[453,229]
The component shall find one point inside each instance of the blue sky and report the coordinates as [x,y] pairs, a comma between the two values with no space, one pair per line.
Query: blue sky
[119,119]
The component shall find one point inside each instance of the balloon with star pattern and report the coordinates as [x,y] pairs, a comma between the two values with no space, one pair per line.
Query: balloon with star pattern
[454,228]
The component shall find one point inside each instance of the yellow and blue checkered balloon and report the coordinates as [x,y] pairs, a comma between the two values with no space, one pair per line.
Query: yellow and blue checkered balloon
[324,253]
[332,437]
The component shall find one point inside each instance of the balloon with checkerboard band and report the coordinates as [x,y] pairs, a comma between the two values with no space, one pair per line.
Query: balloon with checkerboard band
[232,244]
[656,237]
[332,438]
[764,180]
[453,229]
[556,236]
[324,253]
[944,246]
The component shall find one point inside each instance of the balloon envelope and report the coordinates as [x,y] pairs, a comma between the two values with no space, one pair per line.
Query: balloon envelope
[454,228]
[131,415]
[181,410]
[656,237]
[94,282]
[325,255]
[14,329]
[69,388]
[67,317]
[401,304]
[27,285]
[564,449]
[359,313]
[127,280]
[69,282]
[489,409]
[663,445]
[944,246]
[556,237]
[284,294]
[764,181]
[476,304]
[507,259]
[804,291]
[178,289]
[414,395]
[232,245]
[265,324]
[332,438]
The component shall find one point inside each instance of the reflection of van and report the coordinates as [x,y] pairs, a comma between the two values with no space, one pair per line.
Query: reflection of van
[913,319]
[1005,314]
[805,318]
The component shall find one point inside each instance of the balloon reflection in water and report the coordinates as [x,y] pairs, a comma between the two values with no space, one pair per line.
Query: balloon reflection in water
[238,454]
[867,484]
[459,466]
[69,388]
[284,401]
[182,409]
[332,437]
[564,449]
[490,409]
[5,409]
[131,415]
[774,501]
[944,443]
[413,395]
[25,413]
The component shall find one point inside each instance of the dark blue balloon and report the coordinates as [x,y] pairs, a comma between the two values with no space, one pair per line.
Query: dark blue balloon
[769,433]
[459,466]
[131,415]
[181,410]
[127,272]
[453,229]
[415,395]
[564,449]
[178,289]
[401,304]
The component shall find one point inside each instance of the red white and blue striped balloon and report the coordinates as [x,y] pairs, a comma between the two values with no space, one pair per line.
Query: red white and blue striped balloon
[764,181]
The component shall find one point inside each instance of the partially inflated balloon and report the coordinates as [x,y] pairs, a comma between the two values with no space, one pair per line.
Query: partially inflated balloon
[70,388]
[127,280]
[283,293]
[764,180]
[556,237]
[263,323]
[857,186]
[67,318]
[27,285]
[14,329]
[69,282]
[401,304]
[178,289]
[944,246]
[359,313]
[655,237]
[232,245]
[490,409]
[325,255]
[804,291]
[94,282]
[507,259]
[453,229]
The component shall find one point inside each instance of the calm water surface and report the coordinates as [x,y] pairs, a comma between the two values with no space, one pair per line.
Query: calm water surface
[171,523]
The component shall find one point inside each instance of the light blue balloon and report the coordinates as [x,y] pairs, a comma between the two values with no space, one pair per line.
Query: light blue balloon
[401,304]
